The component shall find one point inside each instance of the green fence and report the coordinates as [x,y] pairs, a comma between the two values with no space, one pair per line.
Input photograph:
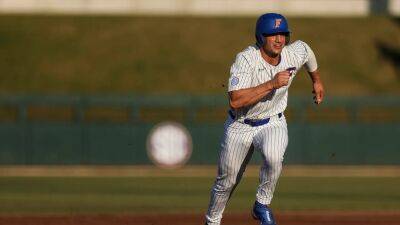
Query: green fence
[113,130]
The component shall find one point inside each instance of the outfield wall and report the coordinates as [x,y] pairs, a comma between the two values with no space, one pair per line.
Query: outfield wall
[113,130]
[204,7]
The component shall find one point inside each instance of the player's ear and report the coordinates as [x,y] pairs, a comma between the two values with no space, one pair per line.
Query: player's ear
[287,39]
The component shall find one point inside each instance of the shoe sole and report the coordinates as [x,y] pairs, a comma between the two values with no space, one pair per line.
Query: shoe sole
[254,216]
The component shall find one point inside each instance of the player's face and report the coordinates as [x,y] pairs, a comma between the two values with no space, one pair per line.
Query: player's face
[274,44]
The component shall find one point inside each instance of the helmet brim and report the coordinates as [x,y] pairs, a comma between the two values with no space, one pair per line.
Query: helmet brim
[284,32]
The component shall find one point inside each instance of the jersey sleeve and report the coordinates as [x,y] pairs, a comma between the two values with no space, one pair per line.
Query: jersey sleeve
[306,54]
[240,74]
[310,62]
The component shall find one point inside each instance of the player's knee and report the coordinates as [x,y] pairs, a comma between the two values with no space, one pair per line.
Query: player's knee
[222,188]
[224,183]
[274,163]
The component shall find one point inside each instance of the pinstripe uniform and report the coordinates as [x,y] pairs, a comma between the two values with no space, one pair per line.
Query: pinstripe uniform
[241,138]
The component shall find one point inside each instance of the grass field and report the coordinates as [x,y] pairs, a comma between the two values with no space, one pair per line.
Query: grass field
[135,195]
[159,55]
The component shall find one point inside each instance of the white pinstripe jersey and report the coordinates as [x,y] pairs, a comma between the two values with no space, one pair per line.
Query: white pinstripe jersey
[250,70]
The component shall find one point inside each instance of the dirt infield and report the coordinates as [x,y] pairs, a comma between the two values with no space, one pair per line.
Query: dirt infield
[288,218]
[193,171]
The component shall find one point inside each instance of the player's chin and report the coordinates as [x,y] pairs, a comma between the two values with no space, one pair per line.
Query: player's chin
[277,50]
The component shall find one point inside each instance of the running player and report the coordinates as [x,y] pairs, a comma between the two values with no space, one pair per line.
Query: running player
[258,93]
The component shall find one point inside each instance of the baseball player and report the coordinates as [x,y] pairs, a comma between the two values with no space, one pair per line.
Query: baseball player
[258,92]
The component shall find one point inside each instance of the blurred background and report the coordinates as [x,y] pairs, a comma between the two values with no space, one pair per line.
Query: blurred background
[84,83]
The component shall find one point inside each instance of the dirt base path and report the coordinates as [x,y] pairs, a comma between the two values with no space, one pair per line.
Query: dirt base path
[286,218]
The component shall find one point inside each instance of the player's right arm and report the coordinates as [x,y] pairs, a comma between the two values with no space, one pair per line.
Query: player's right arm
[248,96]
[241,91]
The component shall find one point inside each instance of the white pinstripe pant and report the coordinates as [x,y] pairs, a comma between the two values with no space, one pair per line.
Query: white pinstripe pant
[238,144]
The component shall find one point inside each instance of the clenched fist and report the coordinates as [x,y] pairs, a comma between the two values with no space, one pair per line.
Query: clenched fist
[318,91]
[281,79]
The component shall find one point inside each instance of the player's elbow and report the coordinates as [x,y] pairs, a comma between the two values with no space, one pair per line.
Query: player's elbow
[236,100]
[236,104]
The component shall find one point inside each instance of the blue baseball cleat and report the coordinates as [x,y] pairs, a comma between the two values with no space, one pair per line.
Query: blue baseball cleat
[263,213]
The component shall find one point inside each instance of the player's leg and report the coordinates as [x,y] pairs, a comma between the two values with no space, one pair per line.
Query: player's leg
[273,140]
[235,153]
[273,146]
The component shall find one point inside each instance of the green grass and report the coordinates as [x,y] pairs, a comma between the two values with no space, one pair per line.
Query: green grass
[183,194]
[159,55]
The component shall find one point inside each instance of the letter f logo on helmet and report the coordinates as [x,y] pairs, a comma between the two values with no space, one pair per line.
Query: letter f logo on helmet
[277,23]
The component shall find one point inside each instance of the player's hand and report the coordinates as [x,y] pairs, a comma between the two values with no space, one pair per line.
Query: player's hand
[318,91]
[281,79]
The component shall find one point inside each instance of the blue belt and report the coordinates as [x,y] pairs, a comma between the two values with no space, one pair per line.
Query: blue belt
[252,122]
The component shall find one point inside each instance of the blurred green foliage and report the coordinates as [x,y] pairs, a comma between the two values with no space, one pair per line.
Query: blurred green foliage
[191,55]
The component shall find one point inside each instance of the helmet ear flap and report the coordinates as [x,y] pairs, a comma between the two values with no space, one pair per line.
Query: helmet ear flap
[260,40]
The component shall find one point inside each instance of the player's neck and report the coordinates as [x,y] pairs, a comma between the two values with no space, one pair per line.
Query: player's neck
[270,58]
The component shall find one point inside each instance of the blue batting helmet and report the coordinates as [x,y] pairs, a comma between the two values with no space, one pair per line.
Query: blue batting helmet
[271,23]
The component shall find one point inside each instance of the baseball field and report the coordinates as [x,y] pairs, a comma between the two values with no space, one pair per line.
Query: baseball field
[104,55]
[146,195]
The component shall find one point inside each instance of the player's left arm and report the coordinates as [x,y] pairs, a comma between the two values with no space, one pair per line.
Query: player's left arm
[318,87]
[312,69]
